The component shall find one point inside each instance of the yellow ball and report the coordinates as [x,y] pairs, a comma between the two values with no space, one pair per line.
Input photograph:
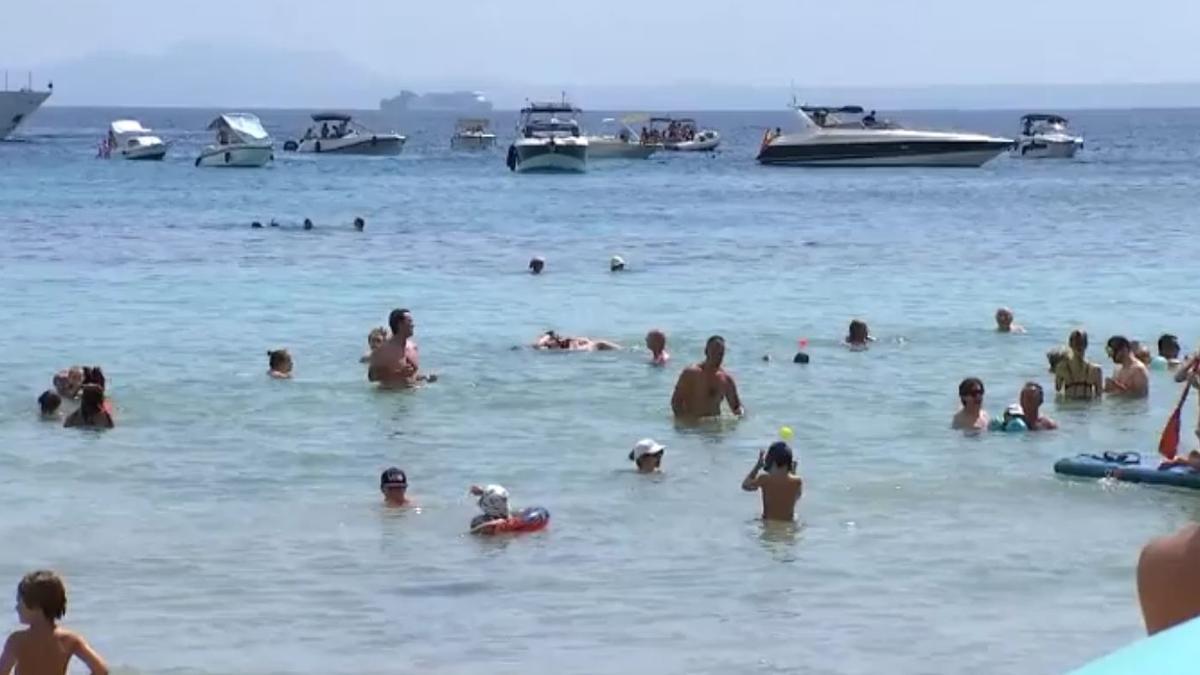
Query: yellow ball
[786,433]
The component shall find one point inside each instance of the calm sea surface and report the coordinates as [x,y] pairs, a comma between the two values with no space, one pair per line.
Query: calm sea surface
[232,524]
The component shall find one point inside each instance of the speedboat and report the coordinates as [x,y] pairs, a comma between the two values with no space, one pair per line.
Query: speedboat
[339,133]
[683,134]
[549,140]
[1045,136]
[471,133]
[128,139]
[844,136]
[241,142]
[17,106]
[619,141]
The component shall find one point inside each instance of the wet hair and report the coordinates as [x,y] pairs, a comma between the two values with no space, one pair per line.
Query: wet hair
[396,319]
[1078,337]
[44,590]
[779,454]
[858,328]
[94,375]
[359,224]
[1168,343]
[969,384]
[91,402]
[49,401]
[714,339]
[277,358]
[800,357]
[1037,387]
[1117,343]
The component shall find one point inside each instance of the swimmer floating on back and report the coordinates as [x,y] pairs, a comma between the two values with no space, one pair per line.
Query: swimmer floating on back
[552,341]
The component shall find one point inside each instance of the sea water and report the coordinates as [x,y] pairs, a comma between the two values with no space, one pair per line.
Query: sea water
[232,523]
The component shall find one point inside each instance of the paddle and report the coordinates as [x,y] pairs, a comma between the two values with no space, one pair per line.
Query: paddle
[1168,443]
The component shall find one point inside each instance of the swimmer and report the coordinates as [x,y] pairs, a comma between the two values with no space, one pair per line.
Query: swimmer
[537,264]
[375,340]
[780,486]
[393,483]
[280,364]
[1032,397]
[91,413]
[701,387]
[1076,378]
[256,225]
[616,264]
[971,417]
[656,342]
[359,224]
[1167,584]
[274,223]
[1168,348]
[94,375]
[1131,380]
[1004,322]
[1012,420]
[800,358]
[396,362]
[68,382]
[308,224]
[1191,460]
[552,341]
[45,648]
[647,455]
[1141,352]
[49,403]
[859,336]
[493,501]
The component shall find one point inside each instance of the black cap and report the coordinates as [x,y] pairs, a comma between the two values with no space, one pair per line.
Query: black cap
[800,357]
[393,477]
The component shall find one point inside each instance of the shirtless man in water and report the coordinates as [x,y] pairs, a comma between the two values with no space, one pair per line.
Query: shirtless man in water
[1132,380]
[702,387]
[396,362]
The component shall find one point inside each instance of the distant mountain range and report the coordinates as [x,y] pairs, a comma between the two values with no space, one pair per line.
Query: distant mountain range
[240,76]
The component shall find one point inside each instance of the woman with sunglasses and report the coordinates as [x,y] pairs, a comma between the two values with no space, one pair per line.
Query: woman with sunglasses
[971,417]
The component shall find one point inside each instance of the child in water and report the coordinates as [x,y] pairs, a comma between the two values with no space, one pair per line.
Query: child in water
[49,403]
[68,382]
[780,486]
[280,364]
[493,501]
[656,342]
[92,413]
[858,337]
[44,648]
[647,455]
[375,339]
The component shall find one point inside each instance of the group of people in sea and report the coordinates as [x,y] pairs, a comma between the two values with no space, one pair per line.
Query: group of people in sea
[82,389]
[359,224]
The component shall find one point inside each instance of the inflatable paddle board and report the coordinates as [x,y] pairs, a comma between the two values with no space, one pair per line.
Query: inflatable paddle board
[1128,467]
[1171,652]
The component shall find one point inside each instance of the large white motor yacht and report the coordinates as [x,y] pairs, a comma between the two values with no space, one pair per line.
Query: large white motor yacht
[128,139]
[17,105]
[338,133]
[241,142]
[549,140]
[618,140]
[472,133]
[1045,136]
[844,136]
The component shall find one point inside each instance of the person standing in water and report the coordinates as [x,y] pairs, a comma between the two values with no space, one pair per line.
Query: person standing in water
[1131,380]
[45,648]
[971,417]
[780,486]
[1076,378]
[1168,349]
[656,342]
[701,387]
[396,362]
[279,364]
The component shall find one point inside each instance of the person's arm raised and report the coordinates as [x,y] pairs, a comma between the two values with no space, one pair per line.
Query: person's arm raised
[84,652]
[750,483]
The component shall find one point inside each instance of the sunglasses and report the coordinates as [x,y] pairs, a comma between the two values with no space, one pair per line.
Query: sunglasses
[974,392]
[395,486]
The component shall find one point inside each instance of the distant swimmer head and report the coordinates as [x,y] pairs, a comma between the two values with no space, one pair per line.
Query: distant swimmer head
[1004,319]
[800,357]
[1168,346]
[616,264]
[393,483]
[779,455]
[970,392]
[656,341]
[256,225]
[49,402]
[359,224]
[308,224]
[537,264]
[494,501]
[1032,396]
[401,322]
[858,333]
[280,361]
[647,454]
[1078,341]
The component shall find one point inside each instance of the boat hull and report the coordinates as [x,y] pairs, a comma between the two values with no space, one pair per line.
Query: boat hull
[148,153]
[236,156]
[707,145]
[549,157]
[609,149]
[1036,148]
[472,142]
[16,107]
[379,144]
[912,153]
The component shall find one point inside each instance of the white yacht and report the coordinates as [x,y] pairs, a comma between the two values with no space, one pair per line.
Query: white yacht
[1045,136]
[17,105]
[128,139]
[683,134]
[619,141]
[339,133]
[549,140]
[472,133]
[241,142]
[844,136]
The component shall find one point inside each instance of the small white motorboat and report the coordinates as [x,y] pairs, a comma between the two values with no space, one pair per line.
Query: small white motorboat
[1045,136]
[128,139]
[338,133]
[619,141]
[472,133]
[683,135]
[549,140]
[241,142]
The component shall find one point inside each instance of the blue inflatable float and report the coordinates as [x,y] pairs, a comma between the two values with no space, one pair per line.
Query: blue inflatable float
[1128,467]
[1171,652]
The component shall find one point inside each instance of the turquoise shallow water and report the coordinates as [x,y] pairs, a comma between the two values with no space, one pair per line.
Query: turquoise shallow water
[231,524]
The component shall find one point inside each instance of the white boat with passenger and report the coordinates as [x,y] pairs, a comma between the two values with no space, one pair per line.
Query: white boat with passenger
[683,134]
[472,133]
[338,133]
[549,140]
[618,140]
[1046,136]
[241,142]
[128,139]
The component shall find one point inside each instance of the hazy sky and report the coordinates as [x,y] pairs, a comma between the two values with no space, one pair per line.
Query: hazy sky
[758,42]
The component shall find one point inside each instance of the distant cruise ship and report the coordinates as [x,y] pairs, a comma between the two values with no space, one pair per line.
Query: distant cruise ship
[16,106]
[472,102]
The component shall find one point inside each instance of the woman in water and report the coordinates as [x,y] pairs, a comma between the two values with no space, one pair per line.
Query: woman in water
[859,336]
[280,362]
[1076,378]
[971,417]
[92,413]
